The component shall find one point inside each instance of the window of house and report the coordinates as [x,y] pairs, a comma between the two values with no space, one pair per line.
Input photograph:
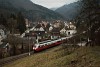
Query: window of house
[68,33]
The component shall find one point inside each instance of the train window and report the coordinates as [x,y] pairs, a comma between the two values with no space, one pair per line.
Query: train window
[68,33]
[42,45]
[39,46]
[46,44]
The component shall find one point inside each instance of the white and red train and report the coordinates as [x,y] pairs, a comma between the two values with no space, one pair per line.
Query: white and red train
[49,43]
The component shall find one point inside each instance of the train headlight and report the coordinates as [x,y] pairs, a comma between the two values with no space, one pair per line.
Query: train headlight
[34,47]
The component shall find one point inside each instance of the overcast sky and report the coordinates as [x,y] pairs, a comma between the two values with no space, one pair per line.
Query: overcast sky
[52,3]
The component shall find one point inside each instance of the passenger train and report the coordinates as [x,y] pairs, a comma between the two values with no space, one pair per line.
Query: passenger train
[49,43]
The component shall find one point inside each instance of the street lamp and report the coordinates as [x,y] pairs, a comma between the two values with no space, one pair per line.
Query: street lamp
[29,45]
[29,37]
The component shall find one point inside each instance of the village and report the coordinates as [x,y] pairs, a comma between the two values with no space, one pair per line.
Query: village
[37,32]
[49,33]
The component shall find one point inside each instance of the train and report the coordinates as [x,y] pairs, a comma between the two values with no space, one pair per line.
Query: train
[48,43]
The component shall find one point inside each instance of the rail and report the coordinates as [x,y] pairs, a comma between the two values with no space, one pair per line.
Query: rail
[13,58]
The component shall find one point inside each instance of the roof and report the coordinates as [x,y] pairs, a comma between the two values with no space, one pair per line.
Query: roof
[66,28]
[38,26]
[40,33]
[55,30]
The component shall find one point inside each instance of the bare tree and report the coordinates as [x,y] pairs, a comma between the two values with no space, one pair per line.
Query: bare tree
[89,15]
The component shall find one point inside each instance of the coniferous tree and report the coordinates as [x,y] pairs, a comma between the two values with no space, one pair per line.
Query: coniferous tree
[3,20]
[21,22]
[12,25]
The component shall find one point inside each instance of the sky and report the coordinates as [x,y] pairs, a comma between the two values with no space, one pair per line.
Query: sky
[52,3]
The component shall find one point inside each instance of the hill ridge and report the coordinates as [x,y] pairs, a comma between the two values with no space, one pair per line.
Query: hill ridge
[28,8]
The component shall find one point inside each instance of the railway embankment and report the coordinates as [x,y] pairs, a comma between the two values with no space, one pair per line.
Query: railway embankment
[61,56]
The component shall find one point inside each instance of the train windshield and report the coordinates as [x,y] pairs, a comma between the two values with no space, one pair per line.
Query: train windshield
[44,41]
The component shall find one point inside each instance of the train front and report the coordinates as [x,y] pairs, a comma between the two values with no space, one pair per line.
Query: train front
[35,47]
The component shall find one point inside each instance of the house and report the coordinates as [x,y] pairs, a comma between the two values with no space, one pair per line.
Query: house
[3,33]
[50,28]
[39,31]
[28,23]
[70,32]
[71,26]
[44,23]
[63,31]
[68,29]
[55,33]
[56,24]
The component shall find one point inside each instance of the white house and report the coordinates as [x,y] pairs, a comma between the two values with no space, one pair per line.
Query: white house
[72,26]
[56,25]
[70,32]
[50,28]
[3,31]
[2,35]
[27,23]
[63,31]
[69,29]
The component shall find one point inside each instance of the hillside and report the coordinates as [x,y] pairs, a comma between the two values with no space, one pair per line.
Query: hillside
[62,57]
[28,8]
[69,11]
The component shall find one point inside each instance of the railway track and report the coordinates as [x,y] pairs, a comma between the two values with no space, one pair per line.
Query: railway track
[13,58]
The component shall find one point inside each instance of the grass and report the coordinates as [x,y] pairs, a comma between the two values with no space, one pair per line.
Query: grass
[62,57]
